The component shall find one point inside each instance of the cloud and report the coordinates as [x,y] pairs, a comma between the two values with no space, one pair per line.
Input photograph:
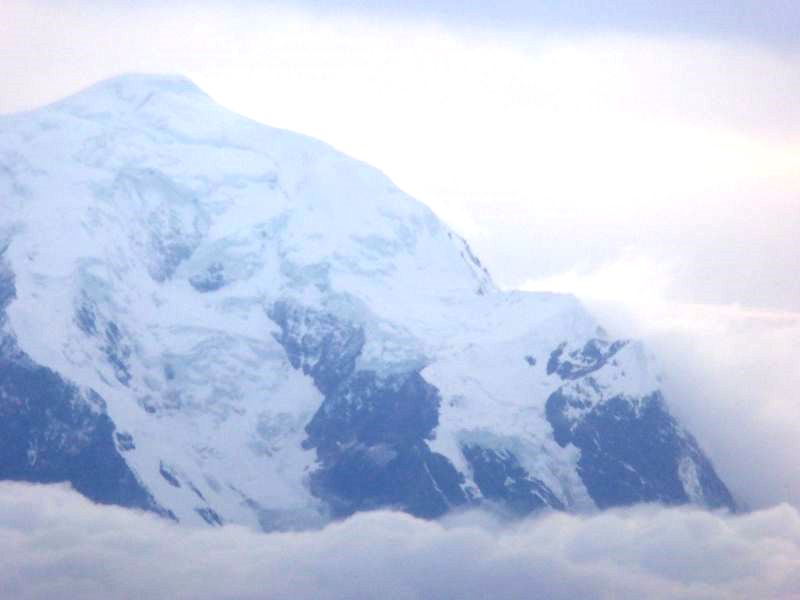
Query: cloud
[732,378]
[632,280]
[56,544]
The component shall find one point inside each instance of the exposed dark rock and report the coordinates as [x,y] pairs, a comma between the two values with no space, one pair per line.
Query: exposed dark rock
[86,317]
[124,441]
[52,432]
[579,363]
[210,280]
[501,478]
[118,352]
[209,515]
[370,431]
[168,475]
[328,354]
[631,451]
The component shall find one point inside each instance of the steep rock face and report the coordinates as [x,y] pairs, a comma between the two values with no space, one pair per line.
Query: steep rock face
[280,336]
[632,449]
[370,431]
[52,431]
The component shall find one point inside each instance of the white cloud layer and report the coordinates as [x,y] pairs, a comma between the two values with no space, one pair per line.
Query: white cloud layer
[56,544]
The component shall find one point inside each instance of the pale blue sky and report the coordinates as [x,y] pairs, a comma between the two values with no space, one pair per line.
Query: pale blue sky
[772,22]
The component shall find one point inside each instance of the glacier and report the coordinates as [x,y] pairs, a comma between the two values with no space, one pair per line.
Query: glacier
[223,322]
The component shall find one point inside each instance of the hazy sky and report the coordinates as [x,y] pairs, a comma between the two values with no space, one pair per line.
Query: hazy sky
[559,137]
[772,22]
[645,155]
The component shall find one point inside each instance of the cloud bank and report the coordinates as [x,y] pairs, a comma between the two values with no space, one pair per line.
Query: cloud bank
[56,544]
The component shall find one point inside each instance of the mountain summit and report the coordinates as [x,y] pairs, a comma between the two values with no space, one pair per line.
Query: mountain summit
[224,322]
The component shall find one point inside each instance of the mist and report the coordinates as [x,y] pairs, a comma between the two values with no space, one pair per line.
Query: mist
[57,544]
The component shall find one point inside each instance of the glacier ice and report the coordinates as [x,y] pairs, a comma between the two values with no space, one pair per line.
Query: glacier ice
[281,336]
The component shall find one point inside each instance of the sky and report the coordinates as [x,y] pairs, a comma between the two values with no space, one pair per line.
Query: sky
[557,137]
[643,155]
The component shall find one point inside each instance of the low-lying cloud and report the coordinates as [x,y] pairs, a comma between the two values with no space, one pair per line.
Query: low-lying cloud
[56,544]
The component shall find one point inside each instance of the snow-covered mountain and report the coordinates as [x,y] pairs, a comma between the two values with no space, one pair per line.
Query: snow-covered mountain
[224,322]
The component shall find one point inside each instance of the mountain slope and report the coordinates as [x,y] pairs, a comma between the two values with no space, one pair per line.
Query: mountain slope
[270,333]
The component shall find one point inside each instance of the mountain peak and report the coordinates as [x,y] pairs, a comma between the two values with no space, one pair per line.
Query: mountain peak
[128,84]
[220,321]
[130,92]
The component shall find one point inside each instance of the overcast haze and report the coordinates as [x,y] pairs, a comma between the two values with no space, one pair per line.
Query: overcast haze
[646,159]
[556,140]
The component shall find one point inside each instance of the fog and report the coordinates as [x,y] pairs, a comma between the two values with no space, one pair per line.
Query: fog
[56,544]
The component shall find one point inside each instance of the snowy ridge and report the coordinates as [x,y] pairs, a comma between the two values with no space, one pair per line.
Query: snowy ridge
[223,285]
